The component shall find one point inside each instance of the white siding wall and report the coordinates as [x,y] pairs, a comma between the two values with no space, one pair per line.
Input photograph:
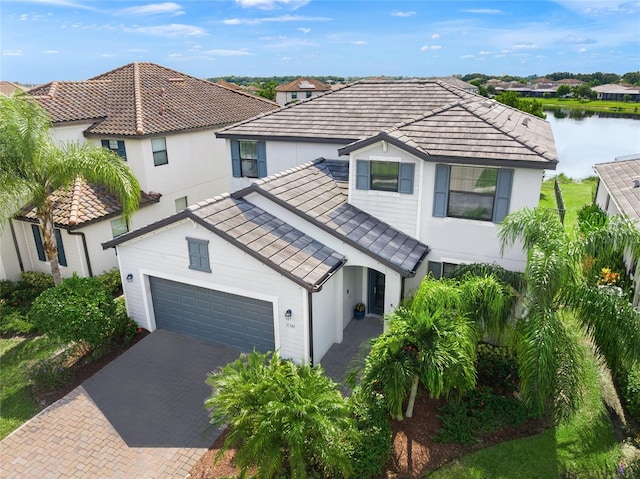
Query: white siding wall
[9,265]
[164,254]
[282,155]
[603,197]
[326,314]
[398,209]
[62,134]
[352,287]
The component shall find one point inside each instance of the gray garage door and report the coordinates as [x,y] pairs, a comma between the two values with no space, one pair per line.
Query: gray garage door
[236,321]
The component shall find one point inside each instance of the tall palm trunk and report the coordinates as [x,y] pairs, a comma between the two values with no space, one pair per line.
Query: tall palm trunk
[49,240]
[412,396]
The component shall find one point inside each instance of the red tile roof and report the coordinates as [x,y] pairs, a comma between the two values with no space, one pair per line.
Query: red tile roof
[304,84]
[147,99]
[84,203]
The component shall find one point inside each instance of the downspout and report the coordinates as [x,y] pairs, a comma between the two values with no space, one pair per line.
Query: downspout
[15,245]
[86,249]
[310,308]
[402,280]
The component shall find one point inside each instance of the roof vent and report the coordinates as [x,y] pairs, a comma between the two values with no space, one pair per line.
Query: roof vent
[525,122]
[306,84]
[636,182]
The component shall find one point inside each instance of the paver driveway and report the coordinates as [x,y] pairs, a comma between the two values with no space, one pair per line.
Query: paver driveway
[142,416]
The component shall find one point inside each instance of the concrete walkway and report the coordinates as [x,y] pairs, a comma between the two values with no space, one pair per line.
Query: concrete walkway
[142,416]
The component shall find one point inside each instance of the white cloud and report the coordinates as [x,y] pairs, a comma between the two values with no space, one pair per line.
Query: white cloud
[466,57]
[136,50]
[271,4]
[286,42]
[582,50]
[12,53]
[173,30]
[304,30]
[430,47]
[227,53]
[175,55]
[285,59]
[403,14]
[484,52]
[360,42]
[576,40]
[279,19]
[50,52]
[108,55]
[484,11]
[62,3]
[153,9]
[525,46]
[435,36]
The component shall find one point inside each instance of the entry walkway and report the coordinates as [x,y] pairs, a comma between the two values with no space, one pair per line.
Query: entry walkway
[341,357]
[142,416]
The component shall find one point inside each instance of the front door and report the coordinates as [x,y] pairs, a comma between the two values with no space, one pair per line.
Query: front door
[376,292]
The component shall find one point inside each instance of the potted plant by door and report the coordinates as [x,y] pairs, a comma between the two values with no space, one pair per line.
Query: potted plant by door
[359,310]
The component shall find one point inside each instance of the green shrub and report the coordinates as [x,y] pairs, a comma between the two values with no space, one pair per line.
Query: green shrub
[6,288]
[49,373]
[497,367]
[372,446]
[631,390]
[37,281]
[480,412]
[13,321]
[78,310]
[111,282]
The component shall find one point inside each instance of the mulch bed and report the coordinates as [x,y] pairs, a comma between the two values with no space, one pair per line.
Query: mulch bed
[414,451]
[82,369]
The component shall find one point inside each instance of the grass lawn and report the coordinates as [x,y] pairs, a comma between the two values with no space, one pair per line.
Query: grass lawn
[16,401]
[592,105]
[576,194]
[583,447]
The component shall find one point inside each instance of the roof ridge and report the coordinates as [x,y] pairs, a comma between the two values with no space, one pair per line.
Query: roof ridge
[208,201]
[137,94]
[75,200]
[422,116]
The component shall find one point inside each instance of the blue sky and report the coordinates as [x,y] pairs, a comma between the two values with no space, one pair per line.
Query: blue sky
[49,40]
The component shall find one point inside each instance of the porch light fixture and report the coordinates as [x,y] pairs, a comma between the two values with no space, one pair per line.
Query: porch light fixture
[287,314]
[129,278]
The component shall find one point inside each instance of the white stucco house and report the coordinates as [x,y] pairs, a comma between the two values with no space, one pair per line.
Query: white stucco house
[162,123]
[351,196]
[300,89]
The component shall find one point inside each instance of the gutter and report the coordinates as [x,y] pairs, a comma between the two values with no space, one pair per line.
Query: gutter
[310,312]
[86,249]
[15,245]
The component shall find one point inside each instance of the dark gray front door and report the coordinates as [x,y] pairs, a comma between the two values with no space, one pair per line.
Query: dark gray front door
[224,318]
[376,292]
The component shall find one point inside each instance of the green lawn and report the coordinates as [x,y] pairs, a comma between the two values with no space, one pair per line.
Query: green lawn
[584,448]
[16,401]
[576,194]
[592,105]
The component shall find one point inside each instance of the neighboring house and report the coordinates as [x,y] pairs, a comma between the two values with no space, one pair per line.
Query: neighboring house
[8,88]
[618,193]
[304,238]
[463,85]
[617,92]
[162,123]
[300,89]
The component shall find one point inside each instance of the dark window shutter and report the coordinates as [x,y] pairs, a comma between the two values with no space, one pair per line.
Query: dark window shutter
[39,245]
[503,195]
[441,191]
[435,268]
[262,159]
[62,258]
[363,176]
[121,151]
[105,144]
[405,183]
[235,159]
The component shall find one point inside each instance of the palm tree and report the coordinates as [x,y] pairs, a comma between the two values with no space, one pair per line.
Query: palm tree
[548,351]
[33,167]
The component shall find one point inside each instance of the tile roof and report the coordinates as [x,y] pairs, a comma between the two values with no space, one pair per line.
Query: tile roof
[261,235]
[8,88]
[304,84]
[350,113]
[312,192]
[84,203]
[147,99]
[618,178]
[478,129]
[619,88]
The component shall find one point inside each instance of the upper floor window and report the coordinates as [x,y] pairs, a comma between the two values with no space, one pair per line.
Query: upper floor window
[181,203]
[119,227]
[294,95]
[117,146]
[37,237]
[385,176]
[309,94]
[472,192]
[199,254]
[159,147]
[248,158]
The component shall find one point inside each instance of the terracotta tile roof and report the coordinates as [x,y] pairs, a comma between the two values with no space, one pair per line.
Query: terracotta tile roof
[84,203]
[228,84]
[478,129]
[304,84]
[8,88]
[619,179]
[147,99]
[312,192]
[259,234]
[356,111]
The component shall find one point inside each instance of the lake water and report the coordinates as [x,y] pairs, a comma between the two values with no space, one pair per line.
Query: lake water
[582,142]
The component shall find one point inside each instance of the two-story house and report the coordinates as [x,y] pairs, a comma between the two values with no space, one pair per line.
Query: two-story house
[405,178]
[300,89]
[162,123]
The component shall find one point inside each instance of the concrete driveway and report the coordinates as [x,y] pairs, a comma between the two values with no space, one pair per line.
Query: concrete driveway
[141,416]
